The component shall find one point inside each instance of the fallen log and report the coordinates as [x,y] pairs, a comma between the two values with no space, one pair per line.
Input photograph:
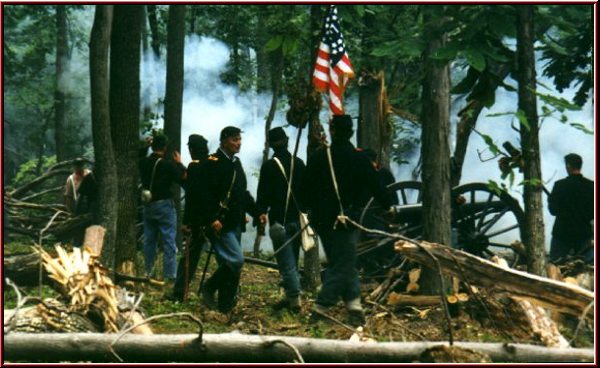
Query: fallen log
[233,347]
[477,271]
[541,324]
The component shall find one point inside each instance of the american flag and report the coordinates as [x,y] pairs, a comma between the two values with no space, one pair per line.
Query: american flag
[333,67]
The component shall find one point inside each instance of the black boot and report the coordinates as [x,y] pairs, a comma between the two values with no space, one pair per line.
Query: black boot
[228,291]
[210,287]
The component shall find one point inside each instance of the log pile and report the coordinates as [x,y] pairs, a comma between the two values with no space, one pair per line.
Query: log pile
[32,209]
[89,300]
[475,271]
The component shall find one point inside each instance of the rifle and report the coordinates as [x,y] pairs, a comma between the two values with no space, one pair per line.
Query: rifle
[186,265]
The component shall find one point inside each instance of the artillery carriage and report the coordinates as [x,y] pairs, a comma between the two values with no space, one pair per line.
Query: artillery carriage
[484,222]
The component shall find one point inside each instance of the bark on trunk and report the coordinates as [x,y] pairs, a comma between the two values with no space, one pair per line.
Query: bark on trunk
[125,122]
[174,92]
[435,151]
[153,22]
[105,169]
[473,270]
[62,58]
[468,120]
[533,234]
[252,348]
[374,130]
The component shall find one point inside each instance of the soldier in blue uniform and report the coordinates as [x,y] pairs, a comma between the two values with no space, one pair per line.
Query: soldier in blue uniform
[228,201]
[273,196]
[158,174]
[327,199]
[194,215]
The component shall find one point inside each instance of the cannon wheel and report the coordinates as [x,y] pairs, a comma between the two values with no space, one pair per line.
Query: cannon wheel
[484,224]
[487,222]
[378,249]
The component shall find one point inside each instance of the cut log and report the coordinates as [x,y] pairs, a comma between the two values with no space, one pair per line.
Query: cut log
[396,299]
[252,348]
[547,293]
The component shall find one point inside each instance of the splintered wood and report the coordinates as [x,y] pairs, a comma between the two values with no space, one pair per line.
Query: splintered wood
[80,276]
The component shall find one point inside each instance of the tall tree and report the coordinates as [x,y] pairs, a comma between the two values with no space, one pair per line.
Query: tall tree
[312,264]
[105,169]
[533,231]
[174,88]
[435,150]
[125,124]
[62,59]
[154,31]
[374,129]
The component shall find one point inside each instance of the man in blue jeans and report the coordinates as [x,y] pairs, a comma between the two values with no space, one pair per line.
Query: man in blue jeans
[157,175]
[273,196]
[228,201]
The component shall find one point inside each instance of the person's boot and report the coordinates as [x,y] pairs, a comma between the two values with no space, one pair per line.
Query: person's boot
[318,313]
[294,304]
[356,316]
[290,303]
[211,286]
[228,292]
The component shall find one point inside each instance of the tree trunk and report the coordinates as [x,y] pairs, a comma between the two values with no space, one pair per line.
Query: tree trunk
[468,120]
[312,262]
[435,150]
[174,92]
[95,347]
[374,131]
[125,122]
[533,231]
[153,22]
[105,168]
[174,86]
[275,88]
[144,30]
[60,95]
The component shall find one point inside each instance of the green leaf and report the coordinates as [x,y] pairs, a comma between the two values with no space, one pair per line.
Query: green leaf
[274,43]
[490,143]
[494,187]
[475,59]
[448,52]
[500,114]
[582,127]
[520,114]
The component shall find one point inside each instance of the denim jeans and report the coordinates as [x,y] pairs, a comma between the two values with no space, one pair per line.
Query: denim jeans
[287,260]
[340,278]
[160,217]
[226,279]
[561,248]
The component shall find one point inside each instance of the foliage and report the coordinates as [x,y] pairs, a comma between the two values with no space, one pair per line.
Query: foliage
[31,170]
[568,48]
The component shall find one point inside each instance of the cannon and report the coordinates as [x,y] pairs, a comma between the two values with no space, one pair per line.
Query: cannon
[484,222]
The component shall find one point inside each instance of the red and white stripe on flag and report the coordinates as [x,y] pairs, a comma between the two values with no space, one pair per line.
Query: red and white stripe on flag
[333,67]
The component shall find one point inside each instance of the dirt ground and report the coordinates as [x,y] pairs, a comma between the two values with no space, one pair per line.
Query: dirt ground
[485,317]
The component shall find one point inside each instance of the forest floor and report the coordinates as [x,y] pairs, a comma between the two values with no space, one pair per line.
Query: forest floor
[485,318]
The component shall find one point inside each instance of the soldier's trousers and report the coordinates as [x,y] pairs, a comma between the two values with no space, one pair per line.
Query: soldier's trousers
[197,242]
[340,278]
[226,279]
